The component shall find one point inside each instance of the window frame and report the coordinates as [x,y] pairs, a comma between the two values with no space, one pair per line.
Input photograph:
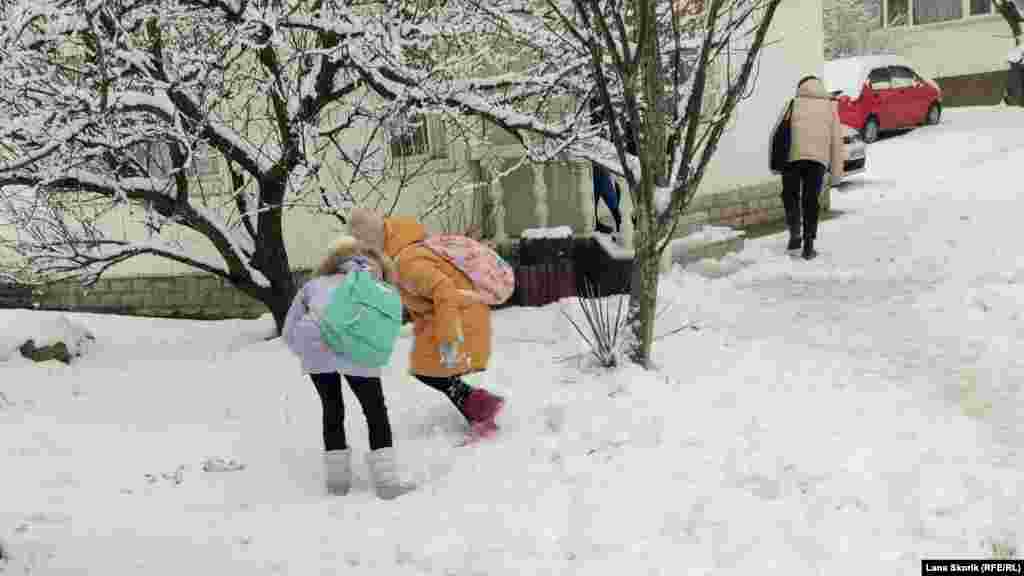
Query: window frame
[436,147]
[966,15]
[205,162]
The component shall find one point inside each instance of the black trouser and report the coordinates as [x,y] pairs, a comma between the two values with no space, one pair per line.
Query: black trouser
[804,176]
[371,397]
[451,386]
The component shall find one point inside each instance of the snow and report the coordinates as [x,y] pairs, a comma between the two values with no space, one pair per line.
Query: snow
[845,76]
[662,199]
[1016,56]
[707,234]
[849,74]
[612,248]
[555,232]
[43,331]
[848,415]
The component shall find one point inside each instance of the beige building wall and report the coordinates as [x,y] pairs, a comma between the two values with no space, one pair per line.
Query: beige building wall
[794,48]
[971,45]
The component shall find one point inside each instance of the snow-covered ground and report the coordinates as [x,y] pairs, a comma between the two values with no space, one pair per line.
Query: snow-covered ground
[848,415]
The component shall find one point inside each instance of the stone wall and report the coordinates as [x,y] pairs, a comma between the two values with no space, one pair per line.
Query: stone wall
[194,296]
[211,298]
[742,207]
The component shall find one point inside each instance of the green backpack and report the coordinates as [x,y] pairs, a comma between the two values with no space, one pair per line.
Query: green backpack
[362,320]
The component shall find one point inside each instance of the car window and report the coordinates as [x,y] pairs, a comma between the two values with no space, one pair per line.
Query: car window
[879,79]
[902,77]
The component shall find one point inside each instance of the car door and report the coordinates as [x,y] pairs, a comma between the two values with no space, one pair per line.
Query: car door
[906,98]
[925,95]
[879,94]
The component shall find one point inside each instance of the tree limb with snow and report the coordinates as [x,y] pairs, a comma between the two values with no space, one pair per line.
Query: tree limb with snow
[645,89]
[108,109]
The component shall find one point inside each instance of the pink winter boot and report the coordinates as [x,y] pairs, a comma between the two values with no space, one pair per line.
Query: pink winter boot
[482,407]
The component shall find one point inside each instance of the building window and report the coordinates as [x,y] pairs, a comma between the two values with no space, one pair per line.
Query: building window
[932,11]
[897,13]
[979,7]
[920,12]
[412,141]
[155,159]
[423,136]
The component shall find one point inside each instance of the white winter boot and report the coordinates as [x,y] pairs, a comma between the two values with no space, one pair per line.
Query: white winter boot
[338,468]
[385,477]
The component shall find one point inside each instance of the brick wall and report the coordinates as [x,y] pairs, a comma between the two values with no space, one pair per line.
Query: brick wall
[985,89]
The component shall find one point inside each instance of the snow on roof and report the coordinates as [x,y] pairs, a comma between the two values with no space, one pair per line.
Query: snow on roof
[539,233]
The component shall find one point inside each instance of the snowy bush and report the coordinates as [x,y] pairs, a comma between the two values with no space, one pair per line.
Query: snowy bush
[605,320]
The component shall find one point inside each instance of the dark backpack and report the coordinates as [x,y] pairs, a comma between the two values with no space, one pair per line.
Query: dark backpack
[781,142]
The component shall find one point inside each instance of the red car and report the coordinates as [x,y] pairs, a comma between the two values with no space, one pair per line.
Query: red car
[879,93]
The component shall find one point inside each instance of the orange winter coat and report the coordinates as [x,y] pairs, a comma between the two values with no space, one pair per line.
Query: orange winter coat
[431,291]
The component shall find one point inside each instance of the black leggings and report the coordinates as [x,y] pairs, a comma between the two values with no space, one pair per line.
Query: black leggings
[451,386]
[371,397]
[804,176]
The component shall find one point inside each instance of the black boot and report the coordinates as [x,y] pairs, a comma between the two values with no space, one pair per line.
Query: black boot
[794,243]
[809,251]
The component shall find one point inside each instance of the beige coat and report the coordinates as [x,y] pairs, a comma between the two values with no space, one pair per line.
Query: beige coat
[816,131]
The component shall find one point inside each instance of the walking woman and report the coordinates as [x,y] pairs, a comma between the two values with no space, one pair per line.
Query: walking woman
[325,368]
[815,147]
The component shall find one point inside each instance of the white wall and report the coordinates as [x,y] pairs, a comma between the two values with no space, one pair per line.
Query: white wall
[794,48]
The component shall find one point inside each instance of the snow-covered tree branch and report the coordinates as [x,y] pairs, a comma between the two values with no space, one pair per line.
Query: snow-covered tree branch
[646,89]
[111,107]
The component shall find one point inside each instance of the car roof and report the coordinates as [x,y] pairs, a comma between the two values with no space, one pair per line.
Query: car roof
[849,74]
[872,61]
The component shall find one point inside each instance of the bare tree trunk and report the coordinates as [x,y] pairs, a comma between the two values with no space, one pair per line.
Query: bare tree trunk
[642,305]
[272,256]
[643,290]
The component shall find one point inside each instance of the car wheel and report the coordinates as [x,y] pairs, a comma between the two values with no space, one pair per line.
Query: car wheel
[934,115]
[870,131]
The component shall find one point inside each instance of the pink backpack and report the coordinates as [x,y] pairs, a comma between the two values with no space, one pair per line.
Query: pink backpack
[492,277]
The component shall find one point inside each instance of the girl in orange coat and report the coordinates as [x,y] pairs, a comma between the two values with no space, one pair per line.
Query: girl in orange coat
[452,328]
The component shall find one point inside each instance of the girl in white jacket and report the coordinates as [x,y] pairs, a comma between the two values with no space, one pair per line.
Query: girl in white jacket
[325,368]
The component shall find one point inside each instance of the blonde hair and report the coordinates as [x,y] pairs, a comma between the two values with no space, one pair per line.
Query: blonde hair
[367,226]
[346,247]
